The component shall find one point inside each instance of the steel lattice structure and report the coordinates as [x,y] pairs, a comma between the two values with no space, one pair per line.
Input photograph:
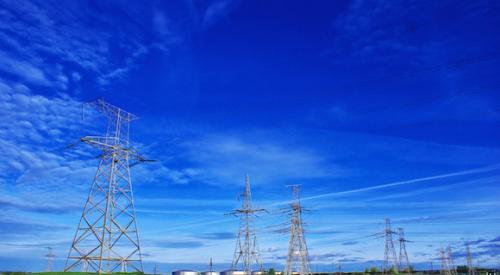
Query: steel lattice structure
[451,263]
[390,259]
[404,262]
[50,259]
[298,254]
[107,238]
[246,252]
[445,268]
[470,266]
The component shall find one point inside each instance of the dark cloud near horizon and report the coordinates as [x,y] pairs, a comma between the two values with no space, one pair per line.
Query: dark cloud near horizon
[178,244]
[18,228]
[37,208]
[218,236]
[350,243]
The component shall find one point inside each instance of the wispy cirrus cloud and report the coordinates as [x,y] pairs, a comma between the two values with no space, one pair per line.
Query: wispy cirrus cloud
[216,10]
[222,159]
[218,236]
[76,37]
[178,244]
[15,228]
[14,203]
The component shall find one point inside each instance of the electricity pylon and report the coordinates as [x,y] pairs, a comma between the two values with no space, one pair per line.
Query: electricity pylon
[107,238]
[390,259]
[246,252]
[50,259]
[404,262]
[298,254]
[445,268]
[451,263]
[470,266]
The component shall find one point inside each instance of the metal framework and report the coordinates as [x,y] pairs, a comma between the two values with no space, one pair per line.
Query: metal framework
[246,252]
[445,268]
[390,259]
[451,263]
[107,238]
[404,262]
[470,266]
[50,259]
[298,254]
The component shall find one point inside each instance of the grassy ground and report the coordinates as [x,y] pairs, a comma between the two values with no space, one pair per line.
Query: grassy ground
[65,273]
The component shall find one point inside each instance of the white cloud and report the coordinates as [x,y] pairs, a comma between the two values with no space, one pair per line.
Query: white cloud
[22,69]
[226,159]
[216,10]
[64,32]
[35,162]
[33,132]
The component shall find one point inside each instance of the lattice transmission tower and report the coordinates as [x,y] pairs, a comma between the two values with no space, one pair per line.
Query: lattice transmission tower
[470,266]
[390,259]
[451,262]
[246,252]
[298,254]
[50,259]
[107,238]
[404,262]
[445,268]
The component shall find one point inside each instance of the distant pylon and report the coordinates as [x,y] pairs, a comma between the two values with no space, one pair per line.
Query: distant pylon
[246,252]
[155,270]
[470,266]
[50,259]
[404,262]
[298,254]
[451,262]
[445,268]
[390,259]
[107,238]
[210,265]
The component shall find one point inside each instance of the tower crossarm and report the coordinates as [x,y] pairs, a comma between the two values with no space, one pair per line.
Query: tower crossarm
[243,211]
[112,111]
[102,142]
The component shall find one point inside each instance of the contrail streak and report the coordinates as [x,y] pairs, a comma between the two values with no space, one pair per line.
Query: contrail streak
[404,182]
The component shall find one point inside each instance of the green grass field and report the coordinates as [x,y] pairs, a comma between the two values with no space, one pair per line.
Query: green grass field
[66,273]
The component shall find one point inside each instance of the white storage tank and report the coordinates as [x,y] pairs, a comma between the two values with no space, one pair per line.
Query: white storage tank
[185,272]
[210,273]
[233,272]
[259,272]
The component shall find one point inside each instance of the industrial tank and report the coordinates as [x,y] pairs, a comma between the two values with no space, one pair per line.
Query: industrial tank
[233,272]
[185,272]
[259,272]
[210,273]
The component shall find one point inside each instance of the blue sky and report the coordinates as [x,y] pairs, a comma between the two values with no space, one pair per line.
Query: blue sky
[377,108]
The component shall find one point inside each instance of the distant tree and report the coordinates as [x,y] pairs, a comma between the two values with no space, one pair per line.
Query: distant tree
[462,269]
[393,270]
[367,270]
[271,271]
[373,270]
